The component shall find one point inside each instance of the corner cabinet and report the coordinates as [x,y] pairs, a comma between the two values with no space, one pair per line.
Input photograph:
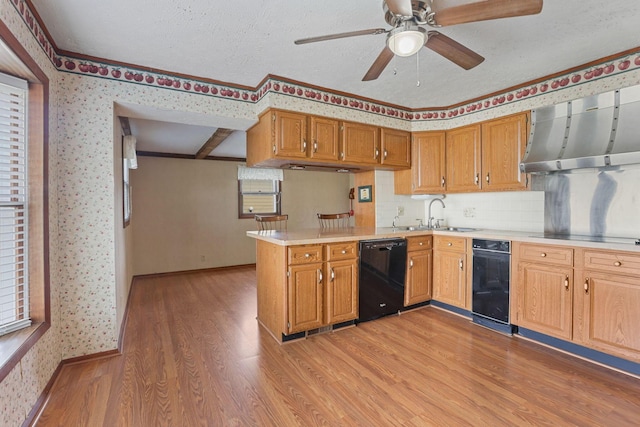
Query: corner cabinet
[306,287]
[419,270]
[427,173]
[450,271]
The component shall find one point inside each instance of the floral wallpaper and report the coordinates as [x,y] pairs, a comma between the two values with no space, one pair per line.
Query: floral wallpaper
[84,99]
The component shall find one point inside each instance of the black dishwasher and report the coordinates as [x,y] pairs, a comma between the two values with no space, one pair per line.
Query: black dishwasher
[381,279]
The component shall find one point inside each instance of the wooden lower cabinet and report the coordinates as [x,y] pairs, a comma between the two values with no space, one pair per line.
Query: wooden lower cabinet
[305,297]
[341,291]
[600,310]
[544,299]
[419,270]
[607,302]
[450,271]
[322,293]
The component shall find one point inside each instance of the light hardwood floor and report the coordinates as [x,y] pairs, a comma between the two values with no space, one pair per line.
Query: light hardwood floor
[194,355]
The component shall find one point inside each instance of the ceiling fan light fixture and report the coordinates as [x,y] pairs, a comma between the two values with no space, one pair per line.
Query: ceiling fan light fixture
[406,40]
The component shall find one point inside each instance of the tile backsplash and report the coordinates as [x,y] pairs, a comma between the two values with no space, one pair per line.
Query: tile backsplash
[514,210]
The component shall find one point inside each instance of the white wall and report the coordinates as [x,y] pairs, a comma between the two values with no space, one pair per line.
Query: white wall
[185,212]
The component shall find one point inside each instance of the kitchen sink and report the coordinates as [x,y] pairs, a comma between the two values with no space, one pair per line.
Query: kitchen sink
[458,229]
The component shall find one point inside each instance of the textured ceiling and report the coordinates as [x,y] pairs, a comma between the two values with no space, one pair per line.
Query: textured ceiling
[242,42]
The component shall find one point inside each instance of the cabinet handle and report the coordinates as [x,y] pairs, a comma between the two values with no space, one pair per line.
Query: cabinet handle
[566,282]
[460,264]
[319,276]
[420,243]
[342,155]
[377,154]
[315,146]
[442,182]
[477,180]
[307,255]
[617,263]
[449,244]
[274,148]
[586,285]
[487,178]
[543,255]
[385,154]
[344,252]
[333,275]
[304,145]
[410,263]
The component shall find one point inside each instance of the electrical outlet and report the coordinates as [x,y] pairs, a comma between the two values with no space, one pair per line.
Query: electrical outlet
[400,210]
[469,212]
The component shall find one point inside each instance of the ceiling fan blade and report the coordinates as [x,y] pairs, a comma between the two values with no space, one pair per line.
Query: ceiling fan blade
[452,50]
[485,10]
[371,31]
[400,7]
[378,65]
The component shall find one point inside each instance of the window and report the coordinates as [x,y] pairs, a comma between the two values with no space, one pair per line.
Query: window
[259,191]
[258,196]
[14,292]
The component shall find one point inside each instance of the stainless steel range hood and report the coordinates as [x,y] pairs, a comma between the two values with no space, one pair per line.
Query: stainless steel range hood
[593,132]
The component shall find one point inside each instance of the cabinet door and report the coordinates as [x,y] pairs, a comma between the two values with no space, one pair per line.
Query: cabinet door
[503,145]
[611,313]
[395,147]
[305,297]
[419,270]
[544,295]
[428,164]
[341,297]
[325,135]
[449,278]
[463,159]
[290,137]
[360,143]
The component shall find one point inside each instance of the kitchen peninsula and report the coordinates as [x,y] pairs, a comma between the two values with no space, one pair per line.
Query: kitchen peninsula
[562,288]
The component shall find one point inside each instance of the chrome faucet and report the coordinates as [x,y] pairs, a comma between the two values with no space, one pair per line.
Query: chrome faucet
[430,219]
[395,218]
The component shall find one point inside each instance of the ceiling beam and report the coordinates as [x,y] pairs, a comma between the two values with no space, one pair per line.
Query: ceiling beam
[124,123]
[216,139]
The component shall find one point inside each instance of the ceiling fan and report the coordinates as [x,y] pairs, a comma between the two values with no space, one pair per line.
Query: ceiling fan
[408,36]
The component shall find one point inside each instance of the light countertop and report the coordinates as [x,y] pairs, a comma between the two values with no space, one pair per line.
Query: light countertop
[318,236]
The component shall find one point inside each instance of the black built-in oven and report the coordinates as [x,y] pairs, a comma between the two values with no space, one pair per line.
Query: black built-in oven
[490,290]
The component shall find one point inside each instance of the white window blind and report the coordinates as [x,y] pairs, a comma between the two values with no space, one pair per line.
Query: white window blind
[14,292]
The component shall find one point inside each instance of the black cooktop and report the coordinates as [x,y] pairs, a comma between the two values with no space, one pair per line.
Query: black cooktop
[583,238]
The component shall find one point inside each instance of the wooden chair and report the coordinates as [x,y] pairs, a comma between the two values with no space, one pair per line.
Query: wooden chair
[272,222]
[339,220]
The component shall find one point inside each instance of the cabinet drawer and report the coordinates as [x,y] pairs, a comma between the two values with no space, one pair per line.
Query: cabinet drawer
[419,243]
[305,254]
[612,261]
[447,243]
[338,251]
[546,254]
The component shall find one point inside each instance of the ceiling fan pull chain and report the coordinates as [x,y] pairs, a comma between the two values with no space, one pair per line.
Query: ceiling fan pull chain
[417,70]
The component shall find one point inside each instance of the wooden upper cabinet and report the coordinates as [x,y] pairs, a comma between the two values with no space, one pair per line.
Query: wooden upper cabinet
[360,143]
[395,147]
[503,145]
[429,162]
[324,138]
[463,159]
[290,138]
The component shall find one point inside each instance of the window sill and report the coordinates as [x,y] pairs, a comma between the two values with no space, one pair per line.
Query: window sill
[15,345]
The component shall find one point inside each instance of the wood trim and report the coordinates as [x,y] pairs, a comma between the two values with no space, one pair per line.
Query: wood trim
[38,128]
[203,270]
[43,399]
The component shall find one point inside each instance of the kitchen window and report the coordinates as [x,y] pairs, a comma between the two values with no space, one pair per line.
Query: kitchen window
[259,191]
[14,285]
